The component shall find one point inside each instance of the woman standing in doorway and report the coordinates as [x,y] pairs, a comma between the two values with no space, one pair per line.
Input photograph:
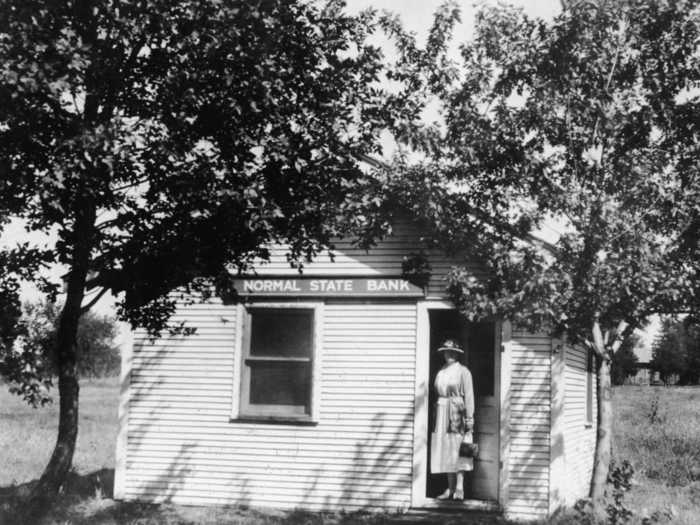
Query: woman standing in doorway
[454,418]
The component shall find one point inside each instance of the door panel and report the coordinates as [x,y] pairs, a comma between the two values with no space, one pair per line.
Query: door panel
[483,360]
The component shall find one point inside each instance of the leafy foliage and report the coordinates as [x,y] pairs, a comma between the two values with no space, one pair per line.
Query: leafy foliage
[31,366]
[691,328]
[15,265]
[624,361]
[584,127]
[617,511]
[98,355]
[27,364]
[620,481]
[196,137]
[167,144]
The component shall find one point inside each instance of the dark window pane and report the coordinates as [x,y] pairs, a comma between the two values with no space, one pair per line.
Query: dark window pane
[281,333]
[279,383]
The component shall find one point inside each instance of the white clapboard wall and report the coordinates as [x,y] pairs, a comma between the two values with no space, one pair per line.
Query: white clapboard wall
[579,434]
[529,454]
[384,259]
[182,445]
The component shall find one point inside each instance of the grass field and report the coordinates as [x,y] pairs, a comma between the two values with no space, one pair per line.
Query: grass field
[658,430]
[27,435]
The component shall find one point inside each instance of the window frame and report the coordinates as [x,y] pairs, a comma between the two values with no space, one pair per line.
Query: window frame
[240,411]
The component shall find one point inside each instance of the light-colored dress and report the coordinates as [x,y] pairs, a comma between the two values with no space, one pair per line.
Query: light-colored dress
[453,410]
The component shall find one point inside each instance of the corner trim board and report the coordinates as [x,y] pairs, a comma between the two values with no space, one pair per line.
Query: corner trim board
[120,460]
[504,335]
[420,420]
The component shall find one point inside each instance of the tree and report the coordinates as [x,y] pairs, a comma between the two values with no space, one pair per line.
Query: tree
[691,374]
[667,353]
[624,361]
[28,365]
[587,126]
[32,365]
[676,351]
[97,353]
[167,143]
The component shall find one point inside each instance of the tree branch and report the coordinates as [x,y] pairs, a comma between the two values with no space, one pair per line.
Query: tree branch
[129,62]
[529,237]
[609,80]
[130,185]
[598,345]
[94,300]
[122,73]
[55,105]
[106,224]
[621,332]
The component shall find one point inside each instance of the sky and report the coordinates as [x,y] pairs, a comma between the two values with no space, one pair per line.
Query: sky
[417,15]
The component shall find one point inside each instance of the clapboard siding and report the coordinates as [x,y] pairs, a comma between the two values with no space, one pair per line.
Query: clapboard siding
[529,402]
[579,434]
[384,259]
[183,447]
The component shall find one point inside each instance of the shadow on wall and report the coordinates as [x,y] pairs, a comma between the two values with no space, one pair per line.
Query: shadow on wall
[378,468]
[162,460]
[375,475]
[380,472]
[377,471]
[372,475]
[530,454]
[558,475]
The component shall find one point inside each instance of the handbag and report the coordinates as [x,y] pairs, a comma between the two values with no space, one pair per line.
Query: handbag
[467,448]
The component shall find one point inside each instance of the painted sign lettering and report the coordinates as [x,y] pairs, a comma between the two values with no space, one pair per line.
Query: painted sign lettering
[355,287]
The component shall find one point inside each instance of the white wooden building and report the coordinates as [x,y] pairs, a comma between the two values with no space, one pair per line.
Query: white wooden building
[315,393]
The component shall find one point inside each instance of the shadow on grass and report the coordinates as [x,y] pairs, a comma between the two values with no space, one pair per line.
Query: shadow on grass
[78,491]
[87,500]
[84,499]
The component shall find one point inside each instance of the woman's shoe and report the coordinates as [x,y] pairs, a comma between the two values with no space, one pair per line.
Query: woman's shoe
[459,494]
[446,495]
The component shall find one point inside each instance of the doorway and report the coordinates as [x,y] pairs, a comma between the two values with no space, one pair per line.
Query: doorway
[481,356]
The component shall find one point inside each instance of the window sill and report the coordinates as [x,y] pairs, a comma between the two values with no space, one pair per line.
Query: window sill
[275,420]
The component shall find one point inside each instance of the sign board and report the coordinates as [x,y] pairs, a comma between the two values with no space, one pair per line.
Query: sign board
[327,287]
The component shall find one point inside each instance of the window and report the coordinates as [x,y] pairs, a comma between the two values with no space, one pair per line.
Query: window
[277,362]
[590,374]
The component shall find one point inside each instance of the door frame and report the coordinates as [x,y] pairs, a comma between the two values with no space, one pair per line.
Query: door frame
[421,409]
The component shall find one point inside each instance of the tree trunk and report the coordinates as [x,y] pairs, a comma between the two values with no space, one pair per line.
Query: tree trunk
[603,451]
[54,476]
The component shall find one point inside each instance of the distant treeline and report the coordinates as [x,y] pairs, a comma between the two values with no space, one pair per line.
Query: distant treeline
[98,355]
[676,351]
[30,365]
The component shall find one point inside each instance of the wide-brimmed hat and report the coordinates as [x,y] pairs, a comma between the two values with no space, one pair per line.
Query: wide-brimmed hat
[450,344]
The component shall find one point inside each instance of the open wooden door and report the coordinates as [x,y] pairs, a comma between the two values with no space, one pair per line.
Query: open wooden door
[482,357]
